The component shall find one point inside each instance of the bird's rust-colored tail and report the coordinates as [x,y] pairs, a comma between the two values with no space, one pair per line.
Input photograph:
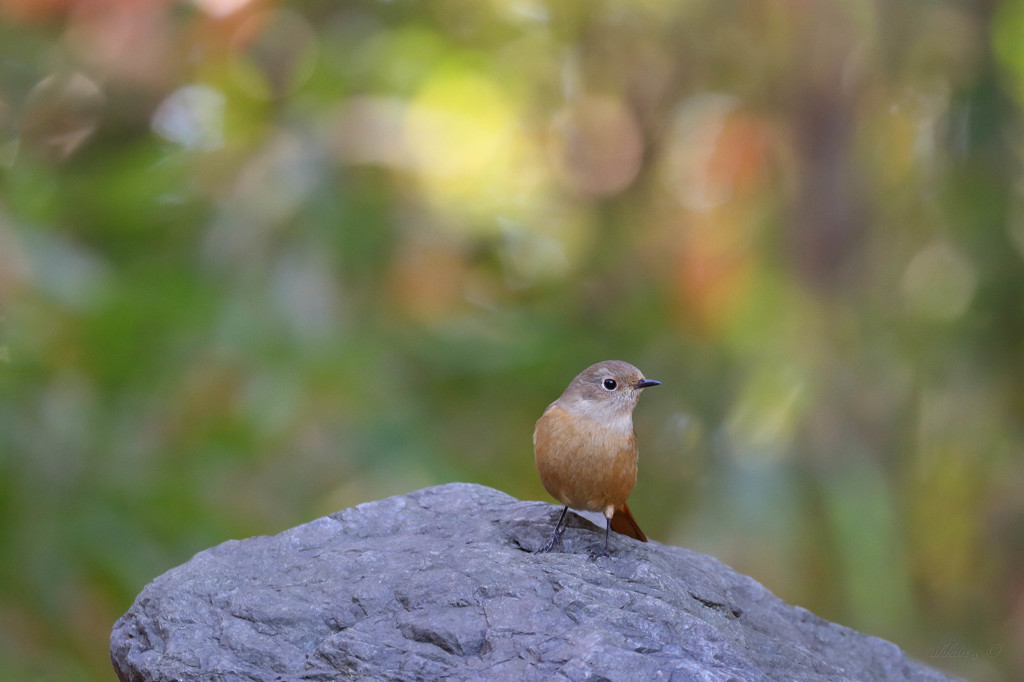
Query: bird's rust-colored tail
[623,522]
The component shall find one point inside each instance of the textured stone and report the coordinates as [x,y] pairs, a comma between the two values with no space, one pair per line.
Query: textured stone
[441,583]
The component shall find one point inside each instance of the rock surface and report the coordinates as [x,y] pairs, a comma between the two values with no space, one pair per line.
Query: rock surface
[440,583]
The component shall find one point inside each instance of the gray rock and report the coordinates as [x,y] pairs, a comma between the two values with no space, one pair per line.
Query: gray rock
[441,583]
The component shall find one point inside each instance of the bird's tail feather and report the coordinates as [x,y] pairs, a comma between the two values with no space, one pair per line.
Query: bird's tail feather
[623,522]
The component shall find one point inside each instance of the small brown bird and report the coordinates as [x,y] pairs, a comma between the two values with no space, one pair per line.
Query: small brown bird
[585,446]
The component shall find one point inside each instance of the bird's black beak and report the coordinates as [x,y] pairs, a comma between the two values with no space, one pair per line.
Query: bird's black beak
[644,383]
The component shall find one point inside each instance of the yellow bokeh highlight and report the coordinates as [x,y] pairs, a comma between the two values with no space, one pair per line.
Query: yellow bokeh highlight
[462,135]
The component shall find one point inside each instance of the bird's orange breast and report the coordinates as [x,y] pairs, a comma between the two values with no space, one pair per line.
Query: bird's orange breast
[582,463]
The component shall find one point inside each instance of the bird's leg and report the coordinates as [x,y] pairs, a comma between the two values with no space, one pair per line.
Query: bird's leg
[556,537]
[605,552]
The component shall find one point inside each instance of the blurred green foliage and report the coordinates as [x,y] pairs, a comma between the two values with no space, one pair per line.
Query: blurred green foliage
[262,261]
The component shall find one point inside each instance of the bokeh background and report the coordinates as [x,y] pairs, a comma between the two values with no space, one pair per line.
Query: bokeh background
[260,261]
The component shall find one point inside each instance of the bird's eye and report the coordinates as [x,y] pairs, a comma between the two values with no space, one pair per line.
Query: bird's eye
[610,384]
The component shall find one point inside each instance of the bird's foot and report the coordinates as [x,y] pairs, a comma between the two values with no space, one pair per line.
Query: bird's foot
[547,548]
[555,540]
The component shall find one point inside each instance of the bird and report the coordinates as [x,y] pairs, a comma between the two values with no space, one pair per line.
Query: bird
[585,446]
